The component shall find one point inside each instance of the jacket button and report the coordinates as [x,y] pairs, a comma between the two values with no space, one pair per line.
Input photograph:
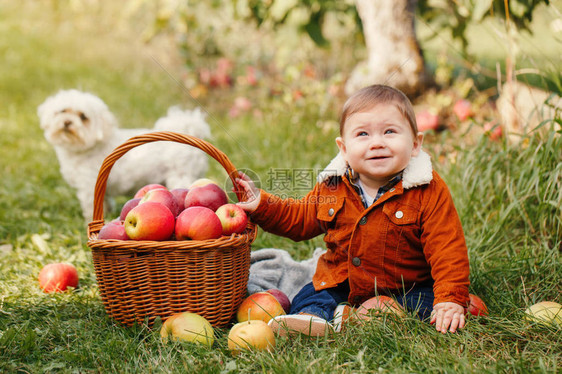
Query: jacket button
[331,212]
[399,214]
[392,189]
[363,220]
[356,261]
[323,283]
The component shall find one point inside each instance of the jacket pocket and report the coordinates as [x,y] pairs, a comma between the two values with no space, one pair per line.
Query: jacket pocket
[328,210]
[401,214]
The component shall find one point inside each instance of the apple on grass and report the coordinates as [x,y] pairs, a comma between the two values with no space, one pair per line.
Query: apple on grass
[150,221]
[113,230]
[141,192]
[548,312]
[189,327]
[259,306]
[198,223]
[58,277]
[427,120]
[377,305]
[463,109]
[476,307]
[282,298]
[233,219]
[179,195]
[128,206]
[251,335]
[210,196]
[163,197]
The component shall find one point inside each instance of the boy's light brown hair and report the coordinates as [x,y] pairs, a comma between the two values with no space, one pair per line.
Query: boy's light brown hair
[370,96]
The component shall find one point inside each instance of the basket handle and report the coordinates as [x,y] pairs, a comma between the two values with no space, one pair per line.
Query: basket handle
[101,183]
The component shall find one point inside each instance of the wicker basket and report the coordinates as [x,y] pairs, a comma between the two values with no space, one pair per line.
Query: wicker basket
[142,280]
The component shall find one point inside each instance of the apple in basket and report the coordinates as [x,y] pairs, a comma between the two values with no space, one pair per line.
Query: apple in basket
[150,221]
[379,304]
[113,230]
[251,335]
[141,192]
[233,219]
[202,182]
[127,207]
[163,197]
[198,223]
[189,327]
[179,195]
[58,277]
[260,305]
[210,196]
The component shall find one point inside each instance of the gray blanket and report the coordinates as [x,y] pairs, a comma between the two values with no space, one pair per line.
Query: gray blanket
[275,268]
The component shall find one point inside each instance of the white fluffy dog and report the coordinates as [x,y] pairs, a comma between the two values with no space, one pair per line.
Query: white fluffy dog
[83,132]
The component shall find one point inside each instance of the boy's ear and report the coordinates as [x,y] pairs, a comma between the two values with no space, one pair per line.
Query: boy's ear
[341,145]
[418,141]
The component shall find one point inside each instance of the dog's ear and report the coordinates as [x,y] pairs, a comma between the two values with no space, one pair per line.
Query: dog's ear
[42,112]
[107,125]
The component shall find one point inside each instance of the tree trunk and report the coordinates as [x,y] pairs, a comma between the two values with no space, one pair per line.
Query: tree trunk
[395,57]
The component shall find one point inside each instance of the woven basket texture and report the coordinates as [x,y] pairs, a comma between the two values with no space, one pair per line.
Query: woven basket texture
[142,280]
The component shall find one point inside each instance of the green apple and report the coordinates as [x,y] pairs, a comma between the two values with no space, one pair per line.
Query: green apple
[189,327]
[251,335]
[545,311]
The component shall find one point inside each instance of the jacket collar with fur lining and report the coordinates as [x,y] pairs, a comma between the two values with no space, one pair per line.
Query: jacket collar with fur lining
[418,172]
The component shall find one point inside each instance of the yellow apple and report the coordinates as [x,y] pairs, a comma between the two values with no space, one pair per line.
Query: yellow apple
[545,311]
[250,335]
[202,182]
[188,327]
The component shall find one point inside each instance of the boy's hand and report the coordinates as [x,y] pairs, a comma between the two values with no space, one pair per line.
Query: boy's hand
[447,316]
[251,191]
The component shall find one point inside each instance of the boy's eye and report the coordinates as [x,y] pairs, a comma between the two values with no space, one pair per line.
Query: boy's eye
[389,131]
[362,133]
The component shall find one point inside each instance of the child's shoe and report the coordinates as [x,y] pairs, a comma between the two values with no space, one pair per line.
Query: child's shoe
[342,315]
[306,324]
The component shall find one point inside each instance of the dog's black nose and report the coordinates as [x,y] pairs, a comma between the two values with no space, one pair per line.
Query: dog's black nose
[67,124]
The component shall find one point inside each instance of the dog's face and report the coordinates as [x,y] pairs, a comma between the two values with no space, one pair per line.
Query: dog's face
[75,120]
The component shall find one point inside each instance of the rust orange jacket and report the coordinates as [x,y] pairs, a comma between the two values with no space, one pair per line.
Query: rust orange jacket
[412,234]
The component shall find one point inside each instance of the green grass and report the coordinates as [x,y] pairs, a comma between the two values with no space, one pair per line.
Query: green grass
[509,199]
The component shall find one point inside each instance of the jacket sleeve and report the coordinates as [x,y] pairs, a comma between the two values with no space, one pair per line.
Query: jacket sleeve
[291,218]
[444,245]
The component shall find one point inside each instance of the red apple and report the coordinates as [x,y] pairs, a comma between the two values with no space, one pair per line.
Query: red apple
[427,121]
[260,305]
[58,277]
[477,306]
[113,230]
[282,298]
[163,197]
[494,130]
[198,223]
[202,182]
[188,327]
[179,195]
[127,207]
[463,109]
[140,193]
[233,219]
[251,335]
[379,304]
[150,221]
[210,196]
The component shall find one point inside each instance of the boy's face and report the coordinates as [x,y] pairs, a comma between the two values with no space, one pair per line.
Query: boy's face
[378,143]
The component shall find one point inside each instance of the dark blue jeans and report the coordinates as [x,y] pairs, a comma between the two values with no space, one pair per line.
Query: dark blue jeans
[418,299]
